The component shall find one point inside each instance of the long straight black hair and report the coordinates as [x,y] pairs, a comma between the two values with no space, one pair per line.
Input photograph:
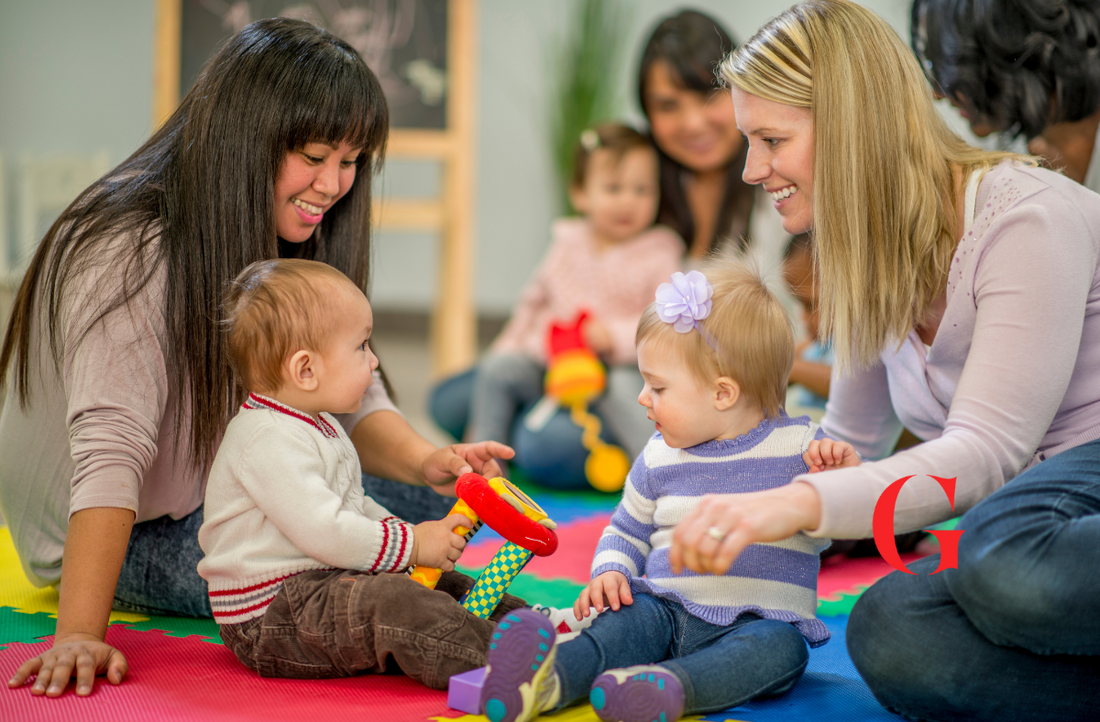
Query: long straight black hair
[692,44]
[198,199]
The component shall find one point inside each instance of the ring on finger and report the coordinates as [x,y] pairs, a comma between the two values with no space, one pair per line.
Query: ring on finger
[716,533]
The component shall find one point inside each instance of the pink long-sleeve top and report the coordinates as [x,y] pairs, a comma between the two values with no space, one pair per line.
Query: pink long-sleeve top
[613,284]
[1011,378]
[100,433]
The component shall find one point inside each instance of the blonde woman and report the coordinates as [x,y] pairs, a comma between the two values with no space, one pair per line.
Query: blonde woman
[962,293]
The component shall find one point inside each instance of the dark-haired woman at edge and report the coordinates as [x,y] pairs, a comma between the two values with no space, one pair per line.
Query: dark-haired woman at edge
[1022,68]
[117,365]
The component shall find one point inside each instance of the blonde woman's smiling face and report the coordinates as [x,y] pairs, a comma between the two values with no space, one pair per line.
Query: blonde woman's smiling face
[781,155]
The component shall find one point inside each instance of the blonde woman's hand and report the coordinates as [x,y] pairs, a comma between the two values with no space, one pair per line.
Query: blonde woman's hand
[721,526]
[442,468]
[81,655]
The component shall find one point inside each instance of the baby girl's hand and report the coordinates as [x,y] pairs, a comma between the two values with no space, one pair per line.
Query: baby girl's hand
[830,454]
[435,543]
[596,336]
[612,586]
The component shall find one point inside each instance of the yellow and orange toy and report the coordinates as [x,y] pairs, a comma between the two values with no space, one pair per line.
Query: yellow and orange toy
[574,377]
[527,529]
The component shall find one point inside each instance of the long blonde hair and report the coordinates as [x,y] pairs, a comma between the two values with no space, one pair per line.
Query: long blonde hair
[885,193]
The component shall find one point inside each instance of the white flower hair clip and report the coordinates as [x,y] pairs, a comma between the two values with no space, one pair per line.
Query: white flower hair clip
[684,302]
[590,140]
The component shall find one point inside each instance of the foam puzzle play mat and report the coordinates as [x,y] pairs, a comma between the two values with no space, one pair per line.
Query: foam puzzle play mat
[179,669]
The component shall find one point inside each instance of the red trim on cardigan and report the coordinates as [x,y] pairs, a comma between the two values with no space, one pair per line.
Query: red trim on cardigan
[256,401]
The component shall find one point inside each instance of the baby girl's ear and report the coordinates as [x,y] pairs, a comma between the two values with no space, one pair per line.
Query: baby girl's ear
[726,393]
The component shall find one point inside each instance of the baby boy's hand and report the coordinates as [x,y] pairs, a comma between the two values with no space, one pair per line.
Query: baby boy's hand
[435,543]
[613,587]
[830,454]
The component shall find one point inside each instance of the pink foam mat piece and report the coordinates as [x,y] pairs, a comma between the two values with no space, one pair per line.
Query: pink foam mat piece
[175,679]
[576,542]
[848,575]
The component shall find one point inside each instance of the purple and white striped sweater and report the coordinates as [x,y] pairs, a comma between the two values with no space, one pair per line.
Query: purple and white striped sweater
[776,580]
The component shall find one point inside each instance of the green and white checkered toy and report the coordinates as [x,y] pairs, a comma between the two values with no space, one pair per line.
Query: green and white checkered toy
[483,597]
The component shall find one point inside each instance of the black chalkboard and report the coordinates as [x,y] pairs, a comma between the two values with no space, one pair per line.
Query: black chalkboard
[403,41]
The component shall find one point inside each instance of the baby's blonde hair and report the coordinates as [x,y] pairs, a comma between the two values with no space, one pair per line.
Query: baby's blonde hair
[749,327]
[884,193]
[275,308]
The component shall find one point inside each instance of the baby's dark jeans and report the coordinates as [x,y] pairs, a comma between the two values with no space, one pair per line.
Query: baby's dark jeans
[342,623]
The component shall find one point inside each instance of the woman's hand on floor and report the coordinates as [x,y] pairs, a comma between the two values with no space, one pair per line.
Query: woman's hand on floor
[81,655]
[721,526]
[442,468]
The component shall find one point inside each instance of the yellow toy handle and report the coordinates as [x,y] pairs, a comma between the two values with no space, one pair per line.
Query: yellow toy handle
[429,576]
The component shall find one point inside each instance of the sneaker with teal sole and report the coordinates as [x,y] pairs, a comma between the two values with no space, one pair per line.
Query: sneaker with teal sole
[645,693]
[521,659]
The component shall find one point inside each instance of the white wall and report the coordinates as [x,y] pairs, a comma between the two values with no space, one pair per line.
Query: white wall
[76,76]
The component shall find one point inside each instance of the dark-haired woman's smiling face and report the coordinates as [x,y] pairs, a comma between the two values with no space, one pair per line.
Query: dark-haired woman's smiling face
[310,182]
[697,130]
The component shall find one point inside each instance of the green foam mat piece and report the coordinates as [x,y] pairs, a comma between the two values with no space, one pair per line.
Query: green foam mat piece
[178,627]
[24,628]
[840,606]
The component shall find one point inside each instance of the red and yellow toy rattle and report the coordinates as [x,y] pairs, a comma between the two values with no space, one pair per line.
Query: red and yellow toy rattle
[526,528]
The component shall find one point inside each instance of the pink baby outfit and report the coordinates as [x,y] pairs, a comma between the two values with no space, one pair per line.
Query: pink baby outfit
[614,284]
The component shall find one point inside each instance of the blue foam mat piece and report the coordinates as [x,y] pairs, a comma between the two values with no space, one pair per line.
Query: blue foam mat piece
[830,691]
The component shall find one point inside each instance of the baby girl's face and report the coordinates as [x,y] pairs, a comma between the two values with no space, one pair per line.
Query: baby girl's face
[620,195]
[682,407]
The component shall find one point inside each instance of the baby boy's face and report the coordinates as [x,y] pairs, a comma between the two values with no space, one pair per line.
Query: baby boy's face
[347,363]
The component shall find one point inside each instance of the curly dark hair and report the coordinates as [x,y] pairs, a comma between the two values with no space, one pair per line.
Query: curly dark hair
[1022,64]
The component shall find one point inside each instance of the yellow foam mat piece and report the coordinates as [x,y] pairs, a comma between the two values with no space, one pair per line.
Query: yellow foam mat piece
[17,592]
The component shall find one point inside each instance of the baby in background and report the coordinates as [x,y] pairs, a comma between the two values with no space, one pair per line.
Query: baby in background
[301,565]
[608,263]
[813,357]
[715,352]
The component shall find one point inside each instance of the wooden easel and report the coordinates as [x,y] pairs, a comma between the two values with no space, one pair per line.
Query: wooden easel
[451,215]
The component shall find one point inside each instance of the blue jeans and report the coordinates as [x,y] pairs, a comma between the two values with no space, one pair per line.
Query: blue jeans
[160,576]
[552,455]
[1014,632]
[718,667]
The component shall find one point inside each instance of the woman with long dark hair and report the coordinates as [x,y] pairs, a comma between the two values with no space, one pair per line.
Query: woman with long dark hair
[692,123]
[117,363]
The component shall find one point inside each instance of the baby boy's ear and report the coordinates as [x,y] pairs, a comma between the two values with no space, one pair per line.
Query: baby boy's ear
[300,369]
[727,392]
